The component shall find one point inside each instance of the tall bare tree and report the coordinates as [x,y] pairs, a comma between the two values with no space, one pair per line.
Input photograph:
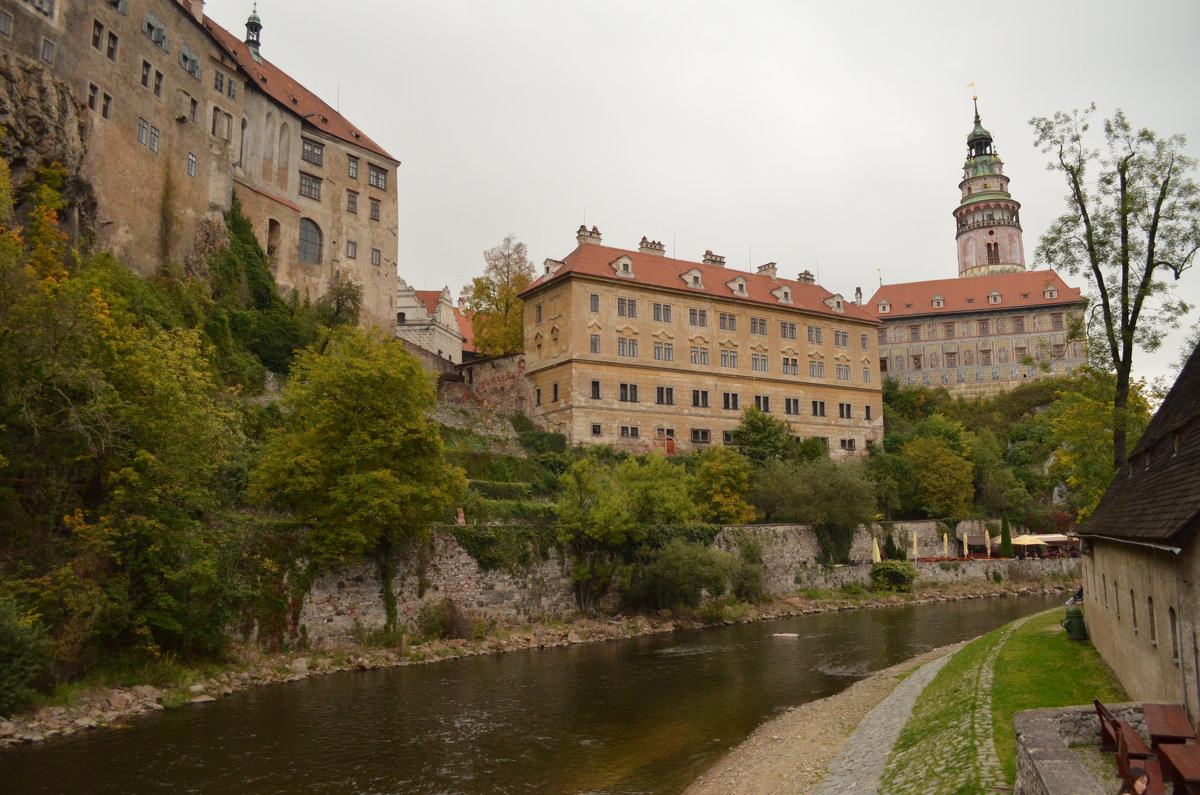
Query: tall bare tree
[1132,227]
[497,312]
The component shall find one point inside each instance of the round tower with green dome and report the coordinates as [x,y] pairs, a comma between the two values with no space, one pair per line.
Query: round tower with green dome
[988,218]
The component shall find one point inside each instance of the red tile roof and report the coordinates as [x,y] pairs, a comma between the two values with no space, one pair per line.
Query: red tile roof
[429,299]
[1156,496]
[466,328]
[276,83]
[1017,290]
[655,270]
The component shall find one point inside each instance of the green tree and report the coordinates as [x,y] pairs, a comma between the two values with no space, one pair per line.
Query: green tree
[356,455]
[604,511]
[719,489]
[1082,425]
[761,437]
[1006,545]
[1133,221]
[497,313]
[817,492]
[943,476]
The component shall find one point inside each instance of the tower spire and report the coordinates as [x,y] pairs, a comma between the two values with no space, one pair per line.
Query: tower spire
[254,33]
[988,220]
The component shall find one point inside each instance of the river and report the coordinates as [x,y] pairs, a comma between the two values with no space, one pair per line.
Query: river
[645,715]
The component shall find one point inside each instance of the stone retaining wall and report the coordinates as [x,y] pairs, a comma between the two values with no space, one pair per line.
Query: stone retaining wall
[348,599]
[1045,763]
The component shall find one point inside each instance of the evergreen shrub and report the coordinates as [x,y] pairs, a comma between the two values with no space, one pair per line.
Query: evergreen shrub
[24,650]
[893,575]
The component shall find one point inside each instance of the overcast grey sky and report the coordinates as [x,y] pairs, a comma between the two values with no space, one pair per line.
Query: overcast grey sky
[819,135]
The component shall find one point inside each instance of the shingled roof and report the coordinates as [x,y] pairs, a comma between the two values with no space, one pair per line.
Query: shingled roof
[273,81]
[1156,497]
[657,270]
[1016,290]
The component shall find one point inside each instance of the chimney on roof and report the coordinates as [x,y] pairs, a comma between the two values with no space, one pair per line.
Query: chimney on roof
[858,295]
[713,259]
[651,247]
[806,278]
[769,269]
[197,9]
[585,236]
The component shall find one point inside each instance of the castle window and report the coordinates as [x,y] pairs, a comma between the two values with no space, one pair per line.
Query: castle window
[351,202]
[867,377]
[884,308]
[662,312]
[189,59]
[1056,321]
[914,333]
[758,325]
[106,106]
[377,177]
[219,81]
[729,359]
[816,369]
[664,351]
[1050,292]
[791,366]
[758,361]
[701,435]
[595,430]
[593,343]
[665,395]
[97,34]
[47,51]
[1018,325]
[191,167]
[816,334]
[222,125]
[595,390]
[351,249]
[310,186]
[698,317]
[352,166]
[727,321]
[374,209]
[122,6]
[787,331]
[994,297]
[143,132]
[310,242]
[158,84]
[93,96]
[312,152]
[6,22]
[791,405]
[867,412]
[847,445]
[818,408]
[729,401]
[628,393]
[376,257]
[700,398]
[841,339]
[763,403]
[627,307]
[983,328]
[699,355]
[843,372]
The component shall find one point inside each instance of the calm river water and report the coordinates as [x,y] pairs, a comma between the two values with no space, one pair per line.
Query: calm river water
[645,715]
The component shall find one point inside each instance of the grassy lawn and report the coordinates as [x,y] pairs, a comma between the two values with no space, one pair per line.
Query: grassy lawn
[1041,667]
[938,734]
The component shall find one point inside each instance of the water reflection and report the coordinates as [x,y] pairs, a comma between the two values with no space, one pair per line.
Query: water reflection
[643,715]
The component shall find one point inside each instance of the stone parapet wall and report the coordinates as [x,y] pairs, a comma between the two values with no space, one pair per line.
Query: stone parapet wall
[348,599]
[499,383]
[1045,763]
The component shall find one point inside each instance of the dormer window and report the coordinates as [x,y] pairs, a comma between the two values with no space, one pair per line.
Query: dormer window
[693,278]
[994,297]
[1050,292]
[622,266]
[938,302]
[695,281]
[884,307]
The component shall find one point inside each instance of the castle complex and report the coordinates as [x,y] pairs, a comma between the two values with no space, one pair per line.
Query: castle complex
[996,325]
[179,114]
[642,351]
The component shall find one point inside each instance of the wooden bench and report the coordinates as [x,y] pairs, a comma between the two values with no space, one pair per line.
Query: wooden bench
[1132,752]
[1108,737]
[1166,723]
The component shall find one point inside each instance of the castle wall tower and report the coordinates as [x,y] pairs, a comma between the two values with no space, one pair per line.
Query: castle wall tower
[989,227]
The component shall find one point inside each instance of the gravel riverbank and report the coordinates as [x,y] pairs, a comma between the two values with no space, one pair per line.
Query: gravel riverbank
[111,706]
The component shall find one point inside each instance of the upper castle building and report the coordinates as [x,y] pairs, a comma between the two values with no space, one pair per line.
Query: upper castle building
[996,325]
[176,113]
[639,350]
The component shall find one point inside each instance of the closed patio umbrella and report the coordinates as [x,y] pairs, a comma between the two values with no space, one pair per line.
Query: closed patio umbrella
[914,540]
[945,546]
[875,556]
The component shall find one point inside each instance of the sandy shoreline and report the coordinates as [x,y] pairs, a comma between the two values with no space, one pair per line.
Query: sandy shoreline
[790,753]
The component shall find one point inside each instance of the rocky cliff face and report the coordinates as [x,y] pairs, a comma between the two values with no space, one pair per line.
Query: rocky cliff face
[44,123]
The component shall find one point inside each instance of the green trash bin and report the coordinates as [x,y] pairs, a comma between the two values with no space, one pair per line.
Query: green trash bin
[1073,624]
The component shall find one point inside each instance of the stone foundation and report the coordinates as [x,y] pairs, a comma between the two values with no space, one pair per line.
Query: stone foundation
[348,600]
[1045,763]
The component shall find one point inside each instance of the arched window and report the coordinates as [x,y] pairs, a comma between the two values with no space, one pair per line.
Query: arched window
[310,242]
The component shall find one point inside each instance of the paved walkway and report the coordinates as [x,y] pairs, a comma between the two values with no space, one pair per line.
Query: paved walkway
[859,766]
[939,761]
